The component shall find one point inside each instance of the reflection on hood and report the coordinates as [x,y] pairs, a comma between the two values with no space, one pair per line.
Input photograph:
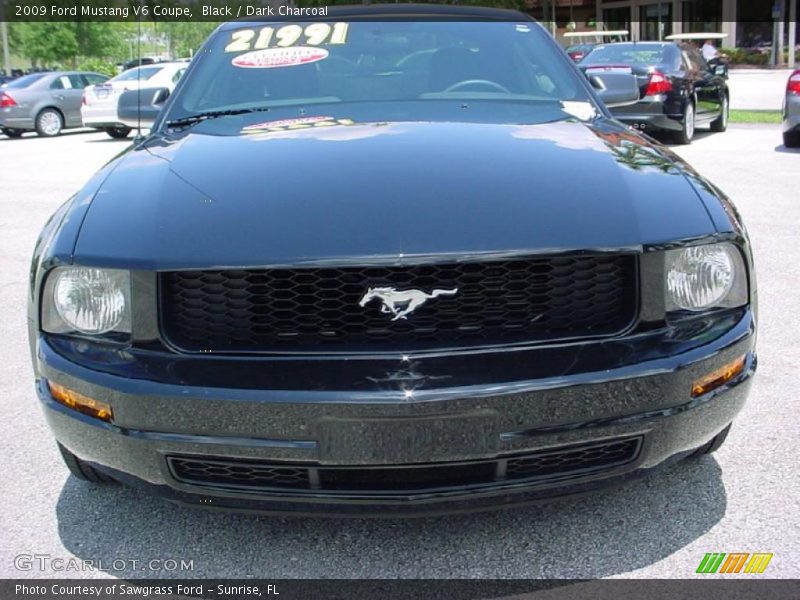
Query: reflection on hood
[321,129]
[564,134]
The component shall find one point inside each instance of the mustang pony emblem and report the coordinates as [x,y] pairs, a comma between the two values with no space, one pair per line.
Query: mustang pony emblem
[401,303]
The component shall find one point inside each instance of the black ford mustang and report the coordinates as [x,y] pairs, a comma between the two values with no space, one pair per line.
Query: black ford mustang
[390,266]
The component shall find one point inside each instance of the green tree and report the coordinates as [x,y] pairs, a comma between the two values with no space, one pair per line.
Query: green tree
[66,43]
[46,44]
[99,39]
[185,38]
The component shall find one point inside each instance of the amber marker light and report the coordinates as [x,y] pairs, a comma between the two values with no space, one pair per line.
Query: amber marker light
[83,404]
[718,377]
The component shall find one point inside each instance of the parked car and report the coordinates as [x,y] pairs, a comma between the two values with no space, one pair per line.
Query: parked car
[439,278]
[139,62]
[791,112]
[4,79]
[44,102]
[99,104]
[679,89]
[577,52]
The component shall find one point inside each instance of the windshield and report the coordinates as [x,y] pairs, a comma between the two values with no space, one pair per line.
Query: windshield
[142,73]
[25,81]
[630,54]
[383,70]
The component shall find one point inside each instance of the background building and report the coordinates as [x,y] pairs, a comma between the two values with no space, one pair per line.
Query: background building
[748,23]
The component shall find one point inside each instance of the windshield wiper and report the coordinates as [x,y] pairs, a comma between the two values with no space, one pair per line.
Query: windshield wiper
[213,114]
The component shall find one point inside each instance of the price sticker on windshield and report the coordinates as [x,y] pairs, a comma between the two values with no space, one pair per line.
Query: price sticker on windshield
[287,36]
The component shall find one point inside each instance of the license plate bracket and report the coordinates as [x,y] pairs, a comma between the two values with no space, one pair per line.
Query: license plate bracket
[407,440]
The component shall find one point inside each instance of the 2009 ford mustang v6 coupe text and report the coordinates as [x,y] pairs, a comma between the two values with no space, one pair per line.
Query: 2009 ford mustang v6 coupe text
[376,265]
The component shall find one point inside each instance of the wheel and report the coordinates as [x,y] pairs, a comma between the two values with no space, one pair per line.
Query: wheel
[715,443]
[13,133]
[721,123]
[791,139]
[82,470]
[49,123]
[118,133]
[686,134]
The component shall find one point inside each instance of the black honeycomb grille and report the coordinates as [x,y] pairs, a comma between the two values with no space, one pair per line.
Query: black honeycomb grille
[547,465]
[583,457]
[242,473]
[499,302]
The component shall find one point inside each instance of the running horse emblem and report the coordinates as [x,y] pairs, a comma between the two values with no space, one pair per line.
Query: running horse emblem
[401,303]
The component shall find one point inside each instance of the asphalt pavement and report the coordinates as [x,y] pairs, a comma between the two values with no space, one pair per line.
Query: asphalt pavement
[758,89]
[742,499]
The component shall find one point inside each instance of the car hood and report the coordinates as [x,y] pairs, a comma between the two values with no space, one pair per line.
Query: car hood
[349,192]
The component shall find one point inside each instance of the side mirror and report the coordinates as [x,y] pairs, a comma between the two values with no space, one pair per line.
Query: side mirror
[141,107]
[721,70]
[616,89]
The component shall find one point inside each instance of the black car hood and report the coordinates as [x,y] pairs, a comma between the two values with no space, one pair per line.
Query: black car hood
[397,190]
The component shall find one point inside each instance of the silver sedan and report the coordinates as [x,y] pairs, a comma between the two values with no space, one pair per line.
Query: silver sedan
[44,102]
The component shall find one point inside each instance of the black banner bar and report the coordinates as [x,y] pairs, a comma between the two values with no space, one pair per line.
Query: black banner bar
[165,11]
[715,587]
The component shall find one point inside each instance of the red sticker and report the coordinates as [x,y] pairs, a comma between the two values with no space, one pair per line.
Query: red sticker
[272,58]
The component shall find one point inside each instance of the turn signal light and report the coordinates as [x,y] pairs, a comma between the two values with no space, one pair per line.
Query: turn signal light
[718,377]
[83,404]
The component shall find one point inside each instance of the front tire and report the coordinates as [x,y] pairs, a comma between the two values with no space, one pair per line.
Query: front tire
[791,139]
[118,133]
[49,123]
[721,123]
[686,134]
[82,470]
[13,133]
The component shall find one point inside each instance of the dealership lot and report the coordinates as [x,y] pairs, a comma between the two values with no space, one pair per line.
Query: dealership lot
[740,500]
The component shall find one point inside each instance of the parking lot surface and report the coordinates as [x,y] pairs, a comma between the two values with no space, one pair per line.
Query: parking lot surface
[758,89]
[742,499]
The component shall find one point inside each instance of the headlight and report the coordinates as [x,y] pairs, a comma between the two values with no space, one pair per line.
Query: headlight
[703,277]
[87,300]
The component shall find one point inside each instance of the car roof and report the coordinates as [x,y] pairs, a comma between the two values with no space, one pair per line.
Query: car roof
[399,12]
[660,44]
[679,37]
[169,63]
[166,63]
[60,73]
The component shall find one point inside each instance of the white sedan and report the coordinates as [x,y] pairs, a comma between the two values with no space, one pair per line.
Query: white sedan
[99,104]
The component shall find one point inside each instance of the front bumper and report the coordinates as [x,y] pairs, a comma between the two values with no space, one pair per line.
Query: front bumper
[403,424]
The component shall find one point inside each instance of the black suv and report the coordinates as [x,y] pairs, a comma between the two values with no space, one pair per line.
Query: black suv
[375,265]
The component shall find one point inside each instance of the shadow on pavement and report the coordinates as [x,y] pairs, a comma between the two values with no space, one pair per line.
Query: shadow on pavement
[699,136]
[32,135]
[110,140]
[786,150]
[606,533]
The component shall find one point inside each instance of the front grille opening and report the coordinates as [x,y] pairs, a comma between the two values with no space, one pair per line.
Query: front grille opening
[254,476]
[583,458]
[314,309]
[412,478]
[239,473]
